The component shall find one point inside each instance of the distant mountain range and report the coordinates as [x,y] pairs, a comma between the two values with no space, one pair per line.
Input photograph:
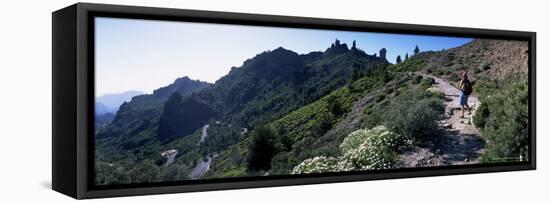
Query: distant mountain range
[109,103]
[100,108]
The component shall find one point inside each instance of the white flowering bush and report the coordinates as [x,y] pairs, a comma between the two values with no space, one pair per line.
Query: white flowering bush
[365,149]
[376,148]
[355,139]
[359,137]
[319,164]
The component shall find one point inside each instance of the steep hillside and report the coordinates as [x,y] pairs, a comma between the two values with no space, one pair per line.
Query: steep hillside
[484,59]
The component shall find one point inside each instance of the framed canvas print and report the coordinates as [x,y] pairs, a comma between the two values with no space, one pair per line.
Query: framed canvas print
[156,100]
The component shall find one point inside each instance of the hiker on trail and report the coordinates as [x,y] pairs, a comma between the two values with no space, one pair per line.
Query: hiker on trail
[465,90]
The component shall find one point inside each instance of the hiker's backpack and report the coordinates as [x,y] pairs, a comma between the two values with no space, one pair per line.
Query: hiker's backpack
[467,87]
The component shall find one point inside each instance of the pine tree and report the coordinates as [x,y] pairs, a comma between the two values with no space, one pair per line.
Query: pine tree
[416,50]
[262,149]
[406,56]
[398,59]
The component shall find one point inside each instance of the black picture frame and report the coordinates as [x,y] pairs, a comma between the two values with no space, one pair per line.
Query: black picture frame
[73,99]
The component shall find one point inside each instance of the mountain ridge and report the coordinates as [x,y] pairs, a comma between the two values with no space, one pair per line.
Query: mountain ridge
[149,106]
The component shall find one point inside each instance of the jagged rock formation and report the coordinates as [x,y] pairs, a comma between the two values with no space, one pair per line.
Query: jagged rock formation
[337,48]
[383,54]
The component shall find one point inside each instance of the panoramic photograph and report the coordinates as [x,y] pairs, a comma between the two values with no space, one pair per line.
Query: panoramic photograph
[179,101]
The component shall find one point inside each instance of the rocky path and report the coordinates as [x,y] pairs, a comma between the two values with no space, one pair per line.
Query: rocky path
[457,142]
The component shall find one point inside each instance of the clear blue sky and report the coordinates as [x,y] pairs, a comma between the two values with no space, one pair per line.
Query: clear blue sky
[144,55]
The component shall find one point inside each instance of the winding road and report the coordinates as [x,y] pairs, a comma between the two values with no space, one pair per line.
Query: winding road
[200,169]
[458,141]
[170,155]
[204,133]
[203,166]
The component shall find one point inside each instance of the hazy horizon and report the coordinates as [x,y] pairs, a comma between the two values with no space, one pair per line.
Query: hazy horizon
[144,55]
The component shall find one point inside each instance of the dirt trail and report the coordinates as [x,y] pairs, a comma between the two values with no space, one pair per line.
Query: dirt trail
[458,141]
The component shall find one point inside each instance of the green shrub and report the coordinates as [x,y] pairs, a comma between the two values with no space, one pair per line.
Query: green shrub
[261,149]
[485,66]
[417,79]
[427,82]
[334,106]
[481,115]
[476,70]
[145,171]
[283,163]
[109,173]
[413,114]
[236,172]
[488,88]
[506,124]
[175,172]
[435,93]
